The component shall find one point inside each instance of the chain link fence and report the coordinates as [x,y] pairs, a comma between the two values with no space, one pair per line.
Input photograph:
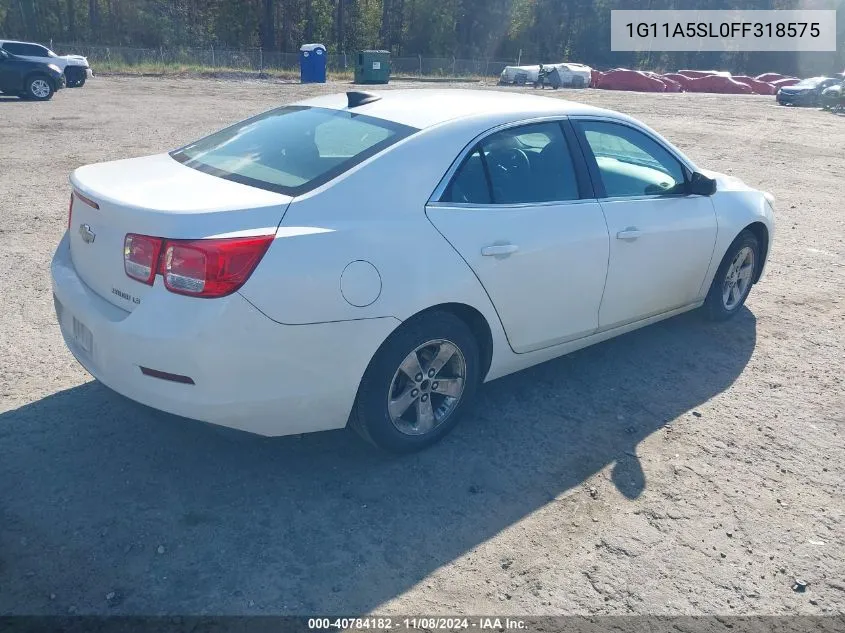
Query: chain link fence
[117,57]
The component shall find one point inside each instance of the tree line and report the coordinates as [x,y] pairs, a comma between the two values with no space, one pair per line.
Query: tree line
[531,30]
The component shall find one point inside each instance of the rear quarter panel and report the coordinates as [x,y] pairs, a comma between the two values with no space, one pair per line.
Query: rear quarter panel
[375,213]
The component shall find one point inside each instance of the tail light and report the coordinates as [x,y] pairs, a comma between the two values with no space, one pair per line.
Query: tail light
[141,255]
[211,268]
[197,268]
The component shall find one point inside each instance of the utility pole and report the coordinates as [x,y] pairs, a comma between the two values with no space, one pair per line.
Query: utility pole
[386,24]
[340,26]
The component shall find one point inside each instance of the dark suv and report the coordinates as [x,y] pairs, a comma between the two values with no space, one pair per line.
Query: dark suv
[29,80]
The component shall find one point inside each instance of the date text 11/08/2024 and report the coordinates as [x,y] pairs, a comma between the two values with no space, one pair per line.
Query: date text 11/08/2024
[423,623]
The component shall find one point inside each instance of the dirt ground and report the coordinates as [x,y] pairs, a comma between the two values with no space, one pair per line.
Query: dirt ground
[686,468]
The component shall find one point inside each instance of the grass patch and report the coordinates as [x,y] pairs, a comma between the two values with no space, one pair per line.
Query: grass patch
[195,70]
[161,69]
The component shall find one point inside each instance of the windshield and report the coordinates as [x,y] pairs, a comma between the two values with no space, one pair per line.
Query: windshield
[812,82]
[292,149]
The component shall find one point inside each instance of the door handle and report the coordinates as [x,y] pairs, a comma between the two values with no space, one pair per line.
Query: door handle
[630,234]
[499,250]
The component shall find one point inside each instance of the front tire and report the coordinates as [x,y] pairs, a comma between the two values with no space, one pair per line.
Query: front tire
[734,278]
[40,88]
[419,383]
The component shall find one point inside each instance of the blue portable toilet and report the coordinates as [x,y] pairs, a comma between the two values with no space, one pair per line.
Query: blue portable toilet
[312,64]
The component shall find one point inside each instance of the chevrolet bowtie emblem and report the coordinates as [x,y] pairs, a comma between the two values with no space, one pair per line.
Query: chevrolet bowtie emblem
[87,234]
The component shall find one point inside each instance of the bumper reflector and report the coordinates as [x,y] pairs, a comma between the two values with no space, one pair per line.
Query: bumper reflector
[155,373]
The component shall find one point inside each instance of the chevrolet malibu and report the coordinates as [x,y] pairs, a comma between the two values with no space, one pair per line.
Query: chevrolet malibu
[368,259]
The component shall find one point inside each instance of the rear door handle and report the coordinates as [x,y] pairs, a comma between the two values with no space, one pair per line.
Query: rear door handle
[631,233]
[499,250]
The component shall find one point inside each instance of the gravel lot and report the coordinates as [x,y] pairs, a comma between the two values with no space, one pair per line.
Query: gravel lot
[686,468]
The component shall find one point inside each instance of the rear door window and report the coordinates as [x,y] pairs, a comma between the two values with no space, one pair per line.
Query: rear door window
[521,165]
[470,184]
[292,149]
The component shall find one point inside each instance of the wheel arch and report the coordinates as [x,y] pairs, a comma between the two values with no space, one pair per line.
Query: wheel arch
[477,324]
[759,230]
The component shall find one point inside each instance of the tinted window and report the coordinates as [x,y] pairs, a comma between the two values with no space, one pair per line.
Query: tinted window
[469,184]
[15,49]
[291,149]
[30,50]
[526,164]
[630,163]
[530,163]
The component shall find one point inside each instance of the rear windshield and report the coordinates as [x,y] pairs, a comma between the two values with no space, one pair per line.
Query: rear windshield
[292,149]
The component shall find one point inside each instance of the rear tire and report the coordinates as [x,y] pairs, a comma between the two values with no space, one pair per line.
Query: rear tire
[402,407]
[734,278]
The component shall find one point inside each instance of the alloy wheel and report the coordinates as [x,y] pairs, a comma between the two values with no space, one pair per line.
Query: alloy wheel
[427,387]
[40,88]
[738,278]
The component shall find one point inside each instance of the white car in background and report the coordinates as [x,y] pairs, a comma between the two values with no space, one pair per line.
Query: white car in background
[372,258]
[75,67]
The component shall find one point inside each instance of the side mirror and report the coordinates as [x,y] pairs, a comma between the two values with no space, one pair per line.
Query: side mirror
[701,185]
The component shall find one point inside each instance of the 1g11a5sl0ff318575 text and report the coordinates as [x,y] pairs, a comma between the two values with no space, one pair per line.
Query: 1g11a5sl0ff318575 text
[727,30]
[724,30]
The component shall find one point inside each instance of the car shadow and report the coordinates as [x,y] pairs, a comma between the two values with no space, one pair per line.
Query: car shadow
[167,515]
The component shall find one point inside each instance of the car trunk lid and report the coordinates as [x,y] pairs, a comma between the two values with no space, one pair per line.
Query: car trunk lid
[159,197]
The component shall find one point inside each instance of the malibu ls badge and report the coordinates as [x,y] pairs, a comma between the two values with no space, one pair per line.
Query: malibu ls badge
[88,236]
[125,295]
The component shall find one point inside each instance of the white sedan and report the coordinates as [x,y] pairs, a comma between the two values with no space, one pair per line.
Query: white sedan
[370,259]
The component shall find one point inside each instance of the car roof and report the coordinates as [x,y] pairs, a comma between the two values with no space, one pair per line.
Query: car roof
[424,107]
[20,42]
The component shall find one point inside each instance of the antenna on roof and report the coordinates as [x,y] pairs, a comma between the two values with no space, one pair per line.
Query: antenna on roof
[357,98]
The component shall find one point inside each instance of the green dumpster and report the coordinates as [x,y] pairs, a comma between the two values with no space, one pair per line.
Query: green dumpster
[372,67]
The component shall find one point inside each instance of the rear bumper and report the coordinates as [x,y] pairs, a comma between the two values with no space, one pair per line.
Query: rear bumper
[250,373]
